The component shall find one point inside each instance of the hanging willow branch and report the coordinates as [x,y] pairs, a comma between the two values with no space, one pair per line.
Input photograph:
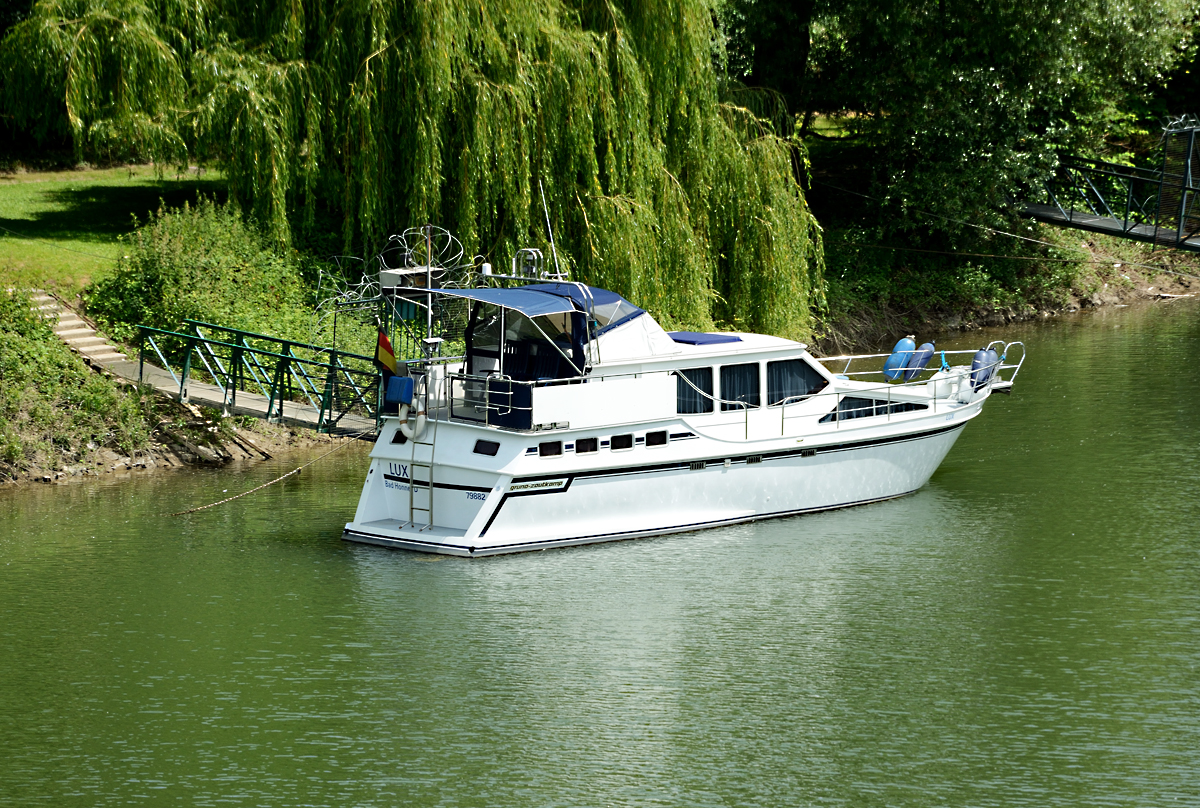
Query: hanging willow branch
[386,114]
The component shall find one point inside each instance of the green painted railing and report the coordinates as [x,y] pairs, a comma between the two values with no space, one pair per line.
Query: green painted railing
[333,382]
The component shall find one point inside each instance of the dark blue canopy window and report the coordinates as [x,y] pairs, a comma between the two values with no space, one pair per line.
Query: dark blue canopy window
[791,378]
[527,353]
[689,400]
[739,383]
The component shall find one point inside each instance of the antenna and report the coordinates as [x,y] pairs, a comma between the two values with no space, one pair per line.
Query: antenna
[553,249]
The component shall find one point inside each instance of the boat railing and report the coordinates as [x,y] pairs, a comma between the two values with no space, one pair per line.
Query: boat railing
[999,368]
[501,401]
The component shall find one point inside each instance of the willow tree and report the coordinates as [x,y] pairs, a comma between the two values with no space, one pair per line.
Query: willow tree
[389,114]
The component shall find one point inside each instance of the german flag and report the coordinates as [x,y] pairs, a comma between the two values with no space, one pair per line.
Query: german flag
[385,357]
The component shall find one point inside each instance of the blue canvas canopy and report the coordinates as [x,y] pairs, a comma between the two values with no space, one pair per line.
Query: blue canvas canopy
[610,308]
[701,338]
[527,300]
[540,299]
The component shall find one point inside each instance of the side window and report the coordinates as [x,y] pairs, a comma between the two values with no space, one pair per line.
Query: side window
[583,445]
[622,442]
[851,407]
[656,438]
[791,378]
[739,383]
[689,401]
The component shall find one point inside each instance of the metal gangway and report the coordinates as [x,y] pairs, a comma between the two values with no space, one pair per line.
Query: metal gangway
[242,372]
[1154,205]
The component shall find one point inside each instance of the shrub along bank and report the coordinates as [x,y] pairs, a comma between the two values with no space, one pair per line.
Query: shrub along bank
[203,262]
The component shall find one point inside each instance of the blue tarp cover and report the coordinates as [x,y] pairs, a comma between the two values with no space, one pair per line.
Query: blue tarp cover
[528,301]
[700,338]
[610,308]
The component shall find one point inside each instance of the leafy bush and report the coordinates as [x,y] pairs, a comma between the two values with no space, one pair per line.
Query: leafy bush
[204,263]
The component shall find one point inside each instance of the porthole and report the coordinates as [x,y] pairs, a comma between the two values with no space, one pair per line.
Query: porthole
[622,442]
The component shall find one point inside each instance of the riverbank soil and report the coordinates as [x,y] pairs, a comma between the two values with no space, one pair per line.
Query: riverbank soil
[181,435]
[1081,271]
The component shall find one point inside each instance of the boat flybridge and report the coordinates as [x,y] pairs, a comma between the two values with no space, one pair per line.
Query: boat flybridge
[571,417]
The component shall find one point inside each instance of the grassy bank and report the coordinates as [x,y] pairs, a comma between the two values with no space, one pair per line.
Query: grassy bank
[61,228]
[54,410]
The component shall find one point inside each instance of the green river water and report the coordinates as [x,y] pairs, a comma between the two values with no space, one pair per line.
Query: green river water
[1024,631]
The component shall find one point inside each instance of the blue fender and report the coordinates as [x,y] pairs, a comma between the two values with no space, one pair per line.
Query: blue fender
[894,365]
[982,367]
[918,361]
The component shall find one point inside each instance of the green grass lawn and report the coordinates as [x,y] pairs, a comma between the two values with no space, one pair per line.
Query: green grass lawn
[61,227]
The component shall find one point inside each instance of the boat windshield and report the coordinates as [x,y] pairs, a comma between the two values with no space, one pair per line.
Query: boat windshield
[610,308]
[506,342]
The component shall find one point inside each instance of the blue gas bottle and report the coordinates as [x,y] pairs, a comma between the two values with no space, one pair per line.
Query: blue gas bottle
[894,365]
[918,361]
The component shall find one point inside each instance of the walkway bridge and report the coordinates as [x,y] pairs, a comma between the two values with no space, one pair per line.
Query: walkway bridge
[284,381]
[244,373]
[1160,206]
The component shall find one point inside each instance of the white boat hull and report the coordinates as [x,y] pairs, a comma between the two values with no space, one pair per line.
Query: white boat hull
[520,501]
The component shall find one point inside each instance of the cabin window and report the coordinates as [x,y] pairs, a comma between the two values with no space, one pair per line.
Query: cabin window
[791,378]
[689,399]
[551,448]
[506,341]
[656,438]
[739,383]
[622,442]
[584,445]
[487,447]
[854,407]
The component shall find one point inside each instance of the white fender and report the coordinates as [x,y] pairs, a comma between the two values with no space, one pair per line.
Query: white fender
[966,390]
[412,433]
[942,384]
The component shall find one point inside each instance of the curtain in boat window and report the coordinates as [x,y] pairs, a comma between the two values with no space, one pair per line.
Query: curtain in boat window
[790,378]
[739,383]
[689,400]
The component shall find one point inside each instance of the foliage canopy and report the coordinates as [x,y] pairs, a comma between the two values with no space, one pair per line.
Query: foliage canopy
[961,104]
[382,115]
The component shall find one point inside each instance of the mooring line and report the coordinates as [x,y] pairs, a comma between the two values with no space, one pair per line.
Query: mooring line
[349,440]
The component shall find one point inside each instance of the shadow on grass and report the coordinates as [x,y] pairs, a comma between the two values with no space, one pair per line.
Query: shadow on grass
[100,213]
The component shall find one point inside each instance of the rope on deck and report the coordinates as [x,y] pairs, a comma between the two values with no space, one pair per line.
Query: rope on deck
[350,439]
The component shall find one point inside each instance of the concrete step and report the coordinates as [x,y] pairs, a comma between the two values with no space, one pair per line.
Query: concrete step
[71,321]
[79,342]
[107,358]
[71,333]
[101,347]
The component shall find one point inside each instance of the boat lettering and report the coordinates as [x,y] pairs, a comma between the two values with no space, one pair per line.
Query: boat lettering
[398,469]
[476,495]
[538,485]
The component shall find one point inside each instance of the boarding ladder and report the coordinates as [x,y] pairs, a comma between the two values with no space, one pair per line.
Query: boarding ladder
[415,506]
